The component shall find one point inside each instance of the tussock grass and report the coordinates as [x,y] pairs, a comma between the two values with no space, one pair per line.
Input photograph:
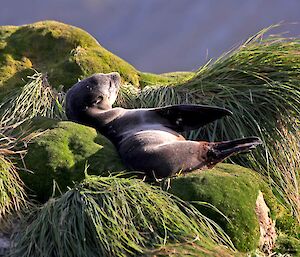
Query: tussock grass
[193,249]
[113,216]
[259,82]
[13,198]
[12,193]
[127,96]
[36,98]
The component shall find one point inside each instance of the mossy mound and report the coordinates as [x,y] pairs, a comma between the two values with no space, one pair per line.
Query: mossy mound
[233,190]
[62,152]
[64,52]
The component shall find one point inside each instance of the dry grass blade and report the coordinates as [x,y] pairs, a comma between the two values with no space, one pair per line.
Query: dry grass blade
[113,216]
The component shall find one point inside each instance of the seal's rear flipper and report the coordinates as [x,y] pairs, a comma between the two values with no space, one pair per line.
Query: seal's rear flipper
[186,117]
[221,150]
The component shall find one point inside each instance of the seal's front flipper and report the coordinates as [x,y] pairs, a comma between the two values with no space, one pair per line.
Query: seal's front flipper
[219,151]
[185,117]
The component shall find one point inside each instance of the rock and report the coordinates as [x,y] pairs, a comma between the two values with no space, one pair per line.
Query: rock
[61,154]
[235,192]
[266,225]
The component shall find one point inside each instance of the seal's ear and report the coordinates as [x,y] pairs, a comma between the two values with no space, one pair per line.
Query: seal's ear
[187,117]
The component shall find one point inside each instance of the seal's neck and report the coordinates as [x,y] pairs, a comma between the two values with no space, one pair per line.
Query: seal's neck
[100,118]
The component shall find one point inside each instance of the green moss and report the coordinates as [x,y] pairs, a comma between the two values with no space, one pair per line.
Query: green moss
[179,76]
[61,154]
[285,221]
[64,52]
[233,190]
[162,79]
[288,245]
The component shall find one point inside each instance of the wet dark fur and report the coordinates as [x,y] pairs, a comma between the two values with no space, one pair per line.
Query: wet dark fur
[148,140]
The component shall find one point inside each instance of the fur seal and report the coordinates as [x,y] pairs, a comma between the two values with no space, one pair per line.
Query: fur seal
[148,140]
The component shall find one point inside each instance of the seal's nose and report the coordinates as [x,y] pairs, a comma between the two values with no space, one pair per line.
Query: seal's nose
[115,76]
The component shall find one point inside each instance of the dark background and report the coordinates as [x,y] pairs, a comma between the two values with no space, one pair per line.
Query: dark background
[161,35]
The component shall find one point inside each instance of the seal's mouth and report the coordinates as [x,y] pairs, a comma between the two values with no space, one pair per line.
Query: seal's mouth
[98,100]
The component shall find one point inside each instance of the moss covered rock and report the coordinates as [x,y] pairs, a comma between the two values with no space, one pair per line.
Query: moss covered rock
[65,53]
[61,154]
[233,190]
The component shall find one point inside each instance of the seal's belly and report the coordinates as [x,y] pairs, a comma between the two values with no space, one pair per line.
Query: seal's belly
[157,137]
[147,140]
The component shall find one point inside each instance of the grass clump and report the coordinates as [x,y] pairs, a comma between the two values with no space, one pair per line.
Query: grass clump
[12,193]
[113,216]
[259,82]
[36,98]
[193,249]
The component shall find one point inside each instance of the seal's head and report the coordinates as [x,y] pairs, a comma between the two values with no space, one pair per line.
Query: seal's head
[98,91]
